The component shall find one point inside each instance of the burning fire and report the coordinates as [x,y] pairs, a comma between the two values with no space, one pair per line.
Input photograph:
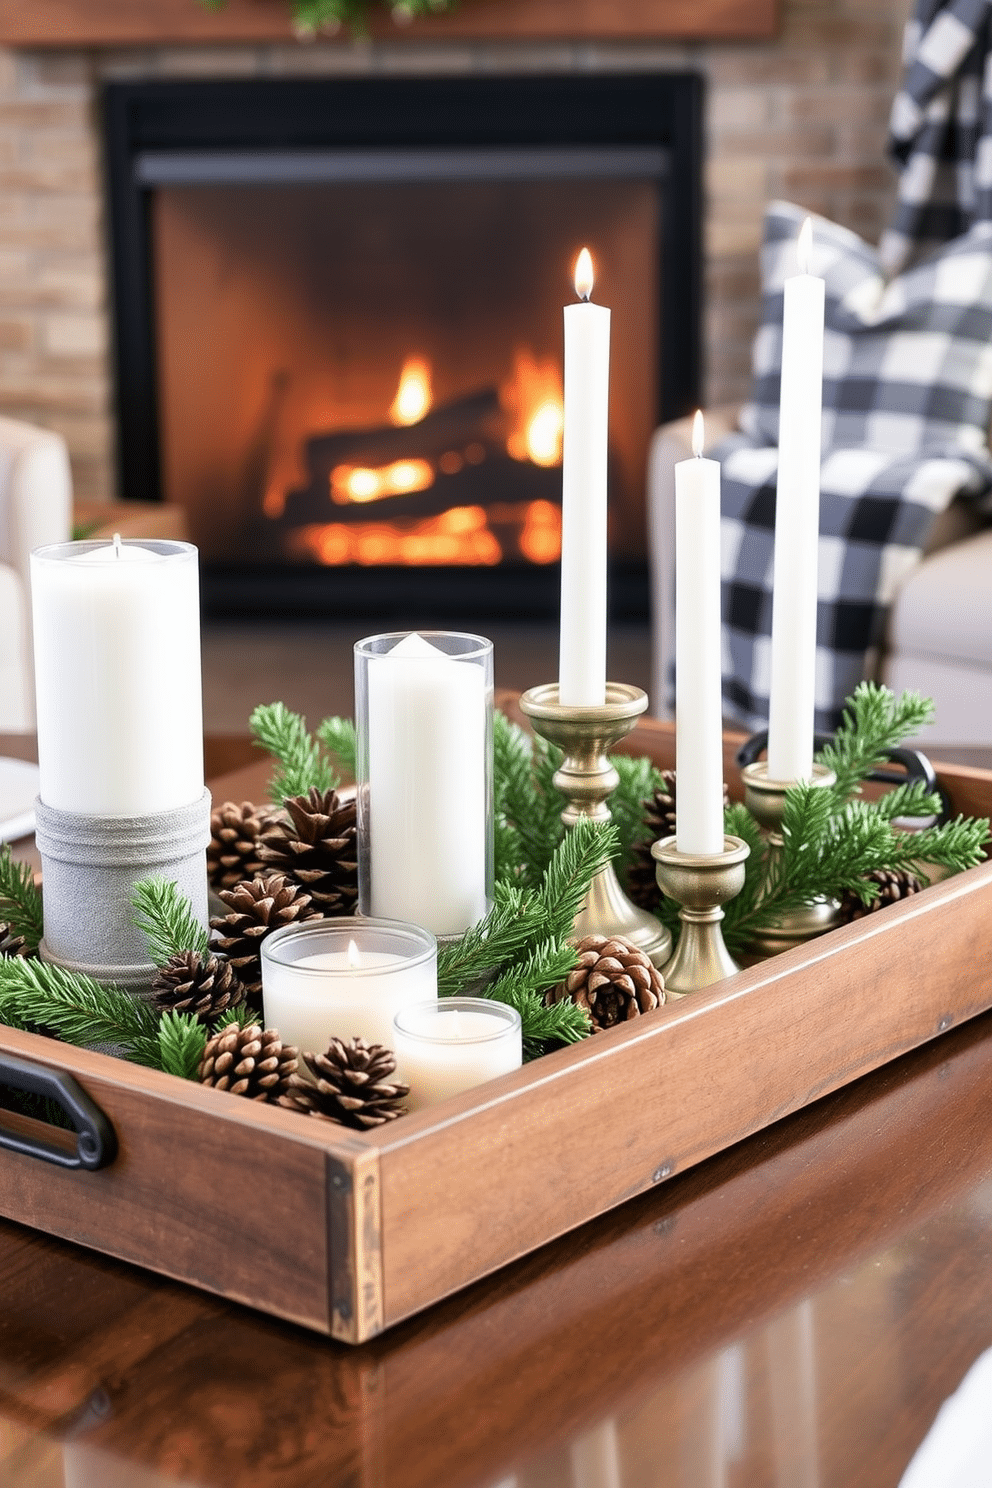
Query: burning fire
[413,396]
[458,536]
[359,483]
[533,397]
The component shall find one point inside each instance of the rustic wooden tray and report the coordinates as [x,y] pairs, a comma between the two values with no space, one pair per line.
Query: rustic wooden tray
[360,1230]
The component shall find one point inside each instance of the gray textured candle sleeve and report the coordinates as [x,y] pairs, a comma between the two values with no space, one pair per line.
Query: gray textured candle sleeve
[90,865]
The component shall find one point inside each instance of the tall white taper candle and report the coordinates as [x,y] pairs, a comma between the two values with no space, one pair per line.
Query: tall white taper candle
[797,525]
[698,699]
[582,660]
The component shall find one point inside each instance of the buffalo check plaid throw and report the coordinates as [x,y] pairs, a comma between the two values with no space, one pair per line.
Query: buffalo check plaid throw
[907,403]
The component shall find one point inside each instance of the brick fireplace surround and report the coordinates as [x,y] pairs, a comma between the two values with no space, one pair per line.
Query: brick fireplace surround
[802,116]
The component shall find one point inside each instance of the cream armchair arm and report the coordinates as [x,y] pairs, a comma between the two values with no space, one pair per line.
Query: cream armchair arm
[35,508]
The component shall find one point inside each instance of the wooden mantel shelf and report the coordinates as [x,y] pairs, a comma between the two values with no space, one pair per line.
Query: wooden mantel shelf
[74,23]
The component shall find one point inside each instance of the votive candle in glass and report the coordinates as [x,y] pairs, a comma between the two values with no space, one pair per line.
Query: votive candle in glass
[452,1044]
[344,978]
[424,719]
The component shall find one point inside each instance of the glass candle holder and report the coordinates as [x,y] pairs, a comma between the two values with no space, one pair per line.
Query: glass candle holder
[424,721]
[452,1044]
[344,978]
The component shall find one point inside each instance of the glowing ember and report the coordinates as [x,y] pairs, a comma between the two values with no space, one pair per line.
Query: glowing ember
[534,400]
[540,540]
[458,536]
[413,396]
[358,483]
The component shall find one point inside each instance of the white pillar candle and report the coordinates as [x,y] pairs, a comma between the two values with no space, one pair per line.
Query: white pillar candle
[582,659]
[698,696]
[425,820]
[797,526]
[117,671]
[344,978]
[452,1044]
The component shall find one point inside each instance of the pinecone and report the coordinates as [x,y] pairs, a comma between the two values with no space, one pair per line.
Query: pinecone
[235,834]
[659,820]
[12,944]
[317,849]
[353,1085]
[893,884]
[614,981]
[253,1062]
[203,985]
[256,909]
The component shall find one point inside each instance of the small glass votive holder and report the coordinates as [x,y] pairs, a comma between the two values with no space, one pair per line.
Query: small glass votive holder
[344,978]
[450,1044]
[424,726]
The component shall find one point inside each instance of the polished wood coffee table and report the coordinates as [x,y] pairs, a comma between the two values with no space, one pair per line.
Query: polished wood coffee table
[792,1312]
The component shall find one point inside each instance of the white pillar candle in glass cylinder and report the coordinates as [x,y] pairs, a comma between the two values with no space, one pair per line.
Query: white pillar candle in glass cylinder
[452,1044]
[424,717]
[797,525]
[585,447]
[344,978]
[117,672]
[698,692]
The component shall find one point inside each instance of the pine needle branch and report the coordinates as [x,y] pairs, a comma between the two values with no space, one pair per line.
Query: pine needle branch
[181,1041]
[20,898]
[301,759]
[957,845]
[40,995]
[166,916]
[910,801]
[639,779]
[582,853]
[874,721]
[337,737]
[523,987]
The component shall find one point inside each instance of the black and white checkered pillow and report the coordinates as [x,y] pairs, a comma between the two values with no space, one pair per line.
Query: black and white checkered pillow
[906,364]
[907,404]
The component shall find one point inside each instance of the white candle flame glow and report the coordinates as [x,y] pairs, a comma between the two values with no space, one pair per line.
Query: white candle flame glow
[698,433]
[117,545]
[804,246]
[354,959]
[584,277]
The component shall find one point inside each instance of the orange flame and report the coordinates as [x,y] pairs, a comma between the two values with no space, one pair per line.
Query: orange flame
[458,536]
[413,396]
[533,397]
[360,483]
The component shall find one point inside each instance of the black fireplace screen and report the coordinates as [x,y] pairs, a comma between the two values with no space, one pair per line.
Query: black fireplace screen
[339,327]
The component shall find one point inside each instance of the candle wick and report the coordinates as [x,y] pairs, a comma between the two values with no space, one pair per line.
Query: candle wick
[584,296]
[117,545]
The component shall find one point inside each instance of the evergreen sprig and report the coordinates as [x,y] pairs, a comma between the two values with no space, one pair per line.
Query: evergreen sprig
[520,949]
[337,736]
[182,1039]
[874,721]
[48,998]
[20,898]
[301,760]
[166,916]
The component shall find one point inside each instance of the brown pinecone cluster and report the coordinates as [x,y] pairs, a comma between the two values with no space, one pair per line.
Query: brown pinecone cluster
[353,1084]
[205,986]
[12,944]
[893,884]
[252,1061]
[254,910]
[614,981]
[235,838]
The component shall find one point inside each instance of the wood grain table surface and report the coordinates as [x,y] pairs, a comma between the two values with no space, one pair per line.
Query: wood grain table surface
[791,1313]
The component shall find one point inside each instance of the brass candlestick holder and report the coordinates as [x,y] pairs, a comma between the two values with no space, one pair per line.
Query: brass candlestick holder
[586,778]
[765,799]
[701,883]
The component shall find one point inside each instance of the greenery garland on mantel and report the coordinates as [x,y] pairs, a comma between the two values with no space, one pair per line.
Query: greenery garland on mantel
[833,841]
[311,17]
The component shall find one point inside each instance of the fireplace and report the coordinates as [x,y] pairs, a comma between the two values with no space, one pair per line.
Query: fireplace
[338,325]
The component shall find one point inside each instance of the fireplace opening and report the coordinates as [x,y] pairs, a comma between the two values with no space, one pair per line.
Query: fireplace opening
[338,326]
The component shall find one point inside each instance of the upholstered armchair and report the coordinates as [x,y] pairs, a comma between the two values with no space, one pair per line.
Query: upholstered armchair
[35,508]
[939,634]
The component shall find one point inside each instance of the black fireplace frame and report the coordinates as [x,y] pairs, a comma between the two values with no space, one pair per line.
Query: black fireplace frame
[240,118]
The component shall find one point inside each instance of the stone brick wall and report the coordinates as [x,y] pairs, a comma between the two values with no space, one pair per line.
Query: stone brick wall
[803,117]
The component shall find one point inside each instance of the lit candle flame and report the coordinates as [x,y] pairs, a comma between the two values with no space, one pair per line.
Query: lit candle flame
[583,275]
[698,433]
[354,960]
[117,545]
[804,246]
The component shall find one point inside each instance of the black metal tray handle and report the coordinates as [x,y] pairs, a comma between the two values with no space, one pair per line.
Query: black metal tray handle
[96,1144]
